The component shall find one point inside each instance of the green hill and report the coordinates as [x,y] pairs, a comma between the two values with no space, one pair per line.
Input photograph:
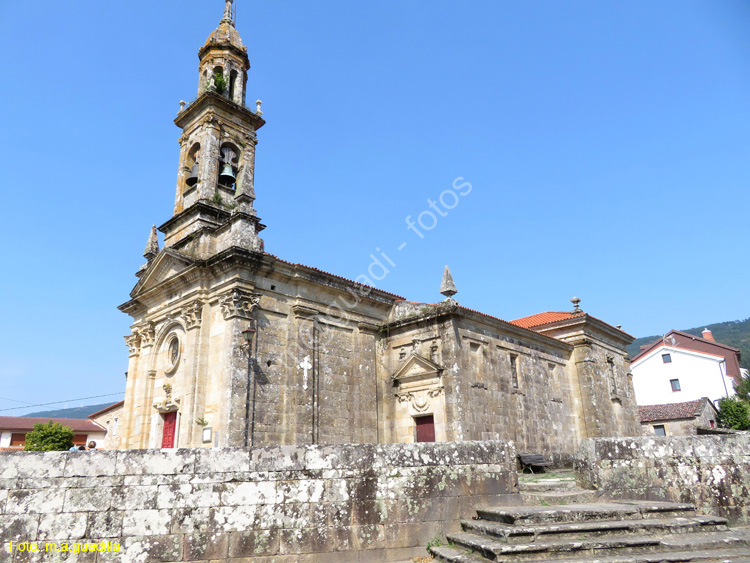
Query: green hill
[77,412]
[731,333]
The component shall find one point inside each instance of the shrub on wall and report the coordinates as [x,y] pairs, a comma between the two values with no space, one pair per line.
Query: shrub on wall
[49,437]
[734,413]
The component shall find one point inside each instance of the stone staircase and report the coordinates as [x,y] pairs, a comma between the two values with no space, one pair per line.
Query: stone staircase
[558,487]
[557,521]
[613,532]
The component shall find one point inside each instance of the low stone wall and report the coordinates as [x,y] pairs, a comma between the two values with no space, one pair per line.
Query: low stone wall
[282,504]
[712,472]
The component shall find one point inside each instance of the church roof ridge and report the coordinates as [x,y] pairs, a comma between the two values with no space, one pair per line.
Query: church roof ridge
[398,297]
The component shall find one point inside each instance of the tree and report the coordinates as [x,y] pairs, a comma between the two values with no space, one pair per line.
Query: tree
[49,437]
[734,413]
[743,389]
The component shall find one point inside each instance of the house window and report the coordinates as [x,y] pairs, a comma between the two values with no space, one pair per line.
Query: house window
[17,439]
[659,430]
[675,383]
[666,358]
[514,370]
[712,423]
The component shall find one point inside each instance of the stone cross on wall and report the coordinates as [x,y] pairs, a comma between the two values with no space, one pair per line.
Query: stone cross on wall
[305,365]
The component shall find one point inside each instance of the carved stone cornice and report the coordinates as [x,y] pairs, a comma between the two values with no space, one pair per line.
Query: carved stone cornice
[191,314]
[238,303]
[133,342]
[303,312]
[367,328]
[146,332]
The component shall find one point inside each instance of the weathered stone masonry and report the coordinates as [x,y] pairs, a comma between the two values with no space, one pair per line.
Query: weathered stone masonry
[296,503]
[712,472]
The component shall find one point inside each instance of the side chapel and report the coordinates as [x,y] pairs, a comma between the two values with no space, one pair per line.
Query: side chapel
[232,346]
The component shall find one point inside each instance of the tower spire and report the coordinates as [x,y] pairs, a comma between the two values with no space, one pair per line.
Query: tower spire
[228,13]
[152,246]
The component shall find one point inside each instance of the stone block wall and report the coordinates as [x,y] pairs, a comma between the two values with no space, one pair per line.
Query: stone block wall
[284,504]
[712,472]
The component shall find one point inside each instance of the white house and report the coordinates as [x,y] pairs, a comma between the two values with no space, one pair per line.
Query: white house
[13,430]
[681,367]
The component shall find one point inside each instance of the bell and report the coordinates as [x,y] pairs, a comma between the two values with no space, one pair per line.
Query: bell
[193,178]
[227,177]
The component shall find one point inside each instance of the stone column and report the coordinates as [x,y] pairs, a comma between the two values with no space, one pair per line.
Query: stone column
[237,306]
[304,368]
[208,171]
[247,167]
[130,412]
[586,371]
[195,372]
[455,388]
[365,407]
[179,203]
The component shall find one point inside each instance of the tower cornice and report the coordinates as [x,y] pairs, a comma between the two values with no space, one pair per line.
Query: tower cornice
[212,101]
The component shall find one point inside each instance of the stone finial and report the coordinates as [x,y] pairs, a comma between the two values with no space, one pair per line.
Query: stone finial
[448,287]
[228,13]
[575,301]
[258,103]
[152,246]
[183,103]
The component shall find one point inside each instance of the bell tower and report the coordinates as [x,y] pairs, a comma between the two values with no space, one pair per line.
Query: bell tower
[214,201]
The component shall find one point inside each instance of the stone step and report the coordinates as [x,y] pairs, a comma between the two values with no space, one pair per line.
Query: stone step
[498,550]
[622,510]
[447,554]
[546,485]
[591,529]
[723,555]
[547,498]
[610,549]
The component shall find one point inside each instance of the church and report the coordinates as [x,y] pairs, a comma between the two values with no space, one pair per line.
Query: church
[231,346]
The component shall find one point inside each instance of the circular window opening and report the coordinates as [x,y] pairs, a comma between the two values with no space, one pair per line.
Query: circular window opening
[173,354]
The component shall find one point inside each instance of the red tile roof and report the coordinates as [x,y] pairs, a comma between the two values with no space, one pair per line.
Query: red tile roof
[674,411]
[545,318]
[26,423]
[109,408]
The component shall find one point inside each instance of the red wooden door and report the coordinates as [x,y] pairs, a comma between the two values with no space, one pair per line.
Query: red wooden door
[425,428]
[170,423]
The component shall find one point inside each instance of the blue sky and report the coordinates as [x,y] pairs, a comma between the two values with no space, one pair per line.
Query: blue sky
[606,144]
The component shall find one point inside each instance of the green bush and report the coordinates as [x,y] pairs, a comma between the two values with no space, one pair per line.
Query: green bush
[743,389]
[220,83]
[49,437]
[734,413]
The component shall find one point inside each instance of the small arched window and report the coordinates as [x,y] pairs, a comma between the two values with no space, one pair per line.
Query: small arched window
[191,164]
[232,84]
[219,82]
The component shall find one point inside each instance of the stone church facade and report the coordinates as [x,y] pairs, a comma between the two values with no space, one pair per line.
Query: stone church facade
[331,360]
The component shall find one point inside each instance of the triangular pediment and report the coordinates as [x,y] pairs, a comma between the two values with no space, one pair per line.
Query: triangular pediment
[417,367]
[167,265]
